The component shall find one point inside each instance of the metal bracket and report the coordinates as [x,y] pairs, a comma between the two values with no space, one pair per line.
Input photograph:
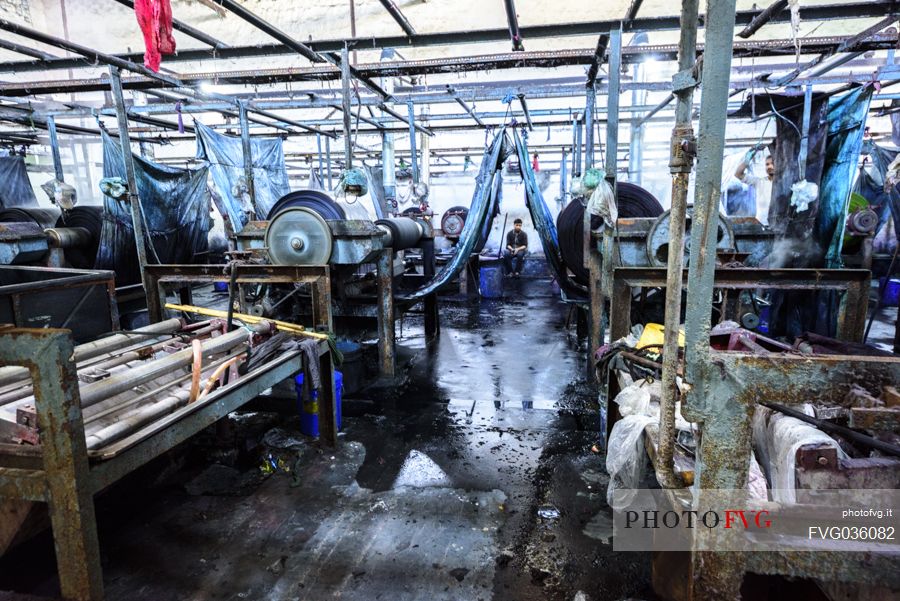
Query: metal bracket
[684,81]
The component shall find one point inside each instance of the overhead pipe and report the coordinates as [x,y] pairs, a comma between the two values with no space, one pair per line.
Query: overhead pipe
[681,162]
[525,110]
[399,17]
[762,18]
[512,21]
[187,30]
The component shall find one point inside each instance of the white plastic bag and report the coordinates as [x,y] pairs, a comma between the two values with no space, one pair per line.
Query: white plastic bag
[803,194]
[626,459]
[785,436]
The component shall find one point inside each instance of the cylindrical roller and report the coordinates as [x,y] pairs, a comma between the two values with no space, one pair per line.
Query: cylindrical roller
[68,237]
[89,218]
[453,221]
[314,200]
[298,236]
[401,232]
[45,218]
[631,200]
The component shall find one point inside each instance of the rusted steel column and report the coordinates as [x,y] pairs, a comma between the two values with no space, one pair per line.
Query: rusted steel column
[680,165]
[54,148]
[386,361]
[134,199]
[345,108]
[48,356]
[321,297]
[711,145]
[247,149]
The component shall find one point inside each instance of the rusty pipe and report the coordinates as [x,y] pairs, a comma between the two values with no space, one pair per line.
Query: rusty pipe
[92,394]
[102,346]
[680,165]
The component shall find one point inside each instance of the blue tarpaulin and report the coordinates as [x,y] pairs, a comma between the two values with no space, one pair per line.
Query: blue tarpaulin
[544,223]
[15,187]
[479,213]
[846,125]
[175,206]
[225,155]
[870,184]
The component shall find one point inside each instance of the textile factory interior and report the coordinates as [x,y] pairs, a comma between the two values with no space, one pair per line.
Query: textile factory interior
[401,300]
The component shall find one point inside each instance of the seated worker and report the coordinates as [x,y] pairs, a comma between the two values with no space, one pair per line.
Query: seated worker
[516,249]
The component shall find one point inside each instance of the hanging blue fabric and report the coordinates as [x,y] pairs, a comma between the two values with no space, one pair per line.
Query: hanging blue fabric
[846,125]
[479,214]
[225,156]
[175,208]
[544,224]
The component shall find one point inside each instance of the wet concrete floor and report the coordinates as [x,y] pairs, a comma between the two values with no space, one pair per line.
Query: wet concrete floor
[473,478]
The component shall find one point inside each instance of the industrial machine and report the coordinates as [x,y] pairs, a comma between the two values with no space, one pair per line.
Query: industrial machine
[49,237]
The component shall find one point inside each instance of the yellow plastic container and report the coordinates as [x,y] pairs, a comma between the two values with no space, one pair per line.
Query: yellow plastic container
[654,334]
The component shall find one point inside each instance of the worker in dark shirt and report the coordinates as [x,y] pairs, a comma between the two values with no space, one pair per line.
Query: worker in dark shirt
[516,249]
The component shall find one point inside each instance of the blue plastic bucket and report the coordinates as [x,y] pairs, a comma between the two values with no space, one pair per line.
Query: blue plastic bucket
[891,295]
[491,280]
[309,408]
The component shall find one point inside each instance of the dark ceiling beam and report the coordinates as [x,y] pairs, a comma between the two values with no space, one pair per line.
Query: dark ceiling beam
[399,17]
[853,10]
[762,18]
[186,30]
[26,51]
[510,60]
[512,23]
[603,42]
[293,44]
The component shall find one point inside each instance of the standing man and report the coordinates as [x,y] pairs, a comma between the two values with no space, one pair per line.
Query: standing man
[762,187]
[516,249]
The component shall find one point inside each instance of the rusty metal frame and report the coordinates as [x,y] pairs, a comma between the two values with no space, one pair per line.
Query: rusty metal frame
[854,283]
[318,276]
[62,475]
[77,278]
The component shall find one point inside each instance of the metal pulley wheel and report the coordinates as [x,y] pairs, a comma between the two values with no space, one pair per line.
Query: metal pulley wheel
[453,221]
[298,236]
[658,237]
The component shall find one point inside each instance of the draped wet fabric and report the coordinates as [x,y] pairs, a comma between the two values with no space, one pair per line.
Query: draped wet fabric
[870,183]
[479,213]
[225,155]
[15,188]
[544,224]
[815,236]
[175,204]
[846,125]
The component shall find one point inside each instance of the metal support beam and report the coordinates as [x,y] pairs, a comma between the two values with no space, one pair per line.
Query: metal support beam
[345,107]
[386,348]
[603,42]
[269,29]
[512,20]
[328,161]
[804,139]
[576,151]
[707,192]
[681,162]
[25,50]
[525,110]
[589,104]
[54,149]
[247,151]
[844,11]
[134,199]
[412,140]
[764,17]
[399,17]
[465,106]
[187,30]
[612,111]
[409,120]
